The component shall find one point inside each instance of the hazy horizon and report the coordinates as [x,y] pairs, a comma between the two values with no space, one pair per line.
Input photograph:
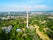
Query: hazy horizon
[22,5]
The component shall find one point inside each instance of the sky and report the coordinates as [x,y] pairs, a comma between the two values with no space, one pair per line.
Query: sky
[26,5]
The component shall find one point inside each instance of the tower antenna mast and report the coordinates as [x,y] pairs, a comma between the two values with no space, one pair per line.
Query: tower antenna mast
[27,9]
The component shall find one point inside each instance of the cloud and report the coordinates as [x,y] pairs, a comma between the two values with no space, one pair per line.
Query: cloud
[40,6]
[35,1]
[13,7]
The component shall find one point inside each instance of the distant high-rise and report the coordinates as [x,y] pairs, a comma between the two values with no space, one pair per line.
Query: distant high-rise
[9,15]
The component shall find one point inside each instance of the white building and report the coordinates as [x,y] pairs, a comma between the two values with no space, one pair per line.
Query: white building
[7,29]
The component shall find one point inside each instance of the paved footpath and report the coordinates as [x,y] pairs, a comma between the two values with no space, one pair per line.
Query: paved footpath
[42,35]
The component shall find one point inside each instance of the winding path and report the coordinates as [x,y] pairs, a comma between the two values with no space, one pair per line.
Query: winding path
[42,35]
